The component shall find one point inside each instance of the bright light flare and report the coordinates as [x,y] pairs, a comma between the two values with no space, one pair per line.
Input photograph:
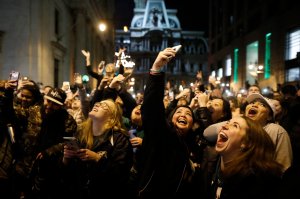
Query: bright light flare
[102,27]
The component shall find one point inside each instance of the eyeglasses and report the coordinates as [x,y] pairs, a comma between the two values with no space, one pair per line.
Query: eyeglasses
[102,105]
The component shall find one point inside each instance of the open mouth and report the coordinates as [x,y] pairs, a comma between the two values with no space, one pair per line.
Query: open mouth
[222,137]
[182,121]
[252,112]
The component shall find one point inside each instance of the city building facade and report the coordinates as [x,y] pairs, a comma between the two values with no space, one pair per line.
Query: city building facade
[254,42]
[43,39]
[153,28]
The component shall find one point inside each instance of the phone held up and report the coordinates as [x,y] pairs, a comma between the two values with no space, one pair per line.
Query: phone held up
[177,48]
[14,75]
[71,142]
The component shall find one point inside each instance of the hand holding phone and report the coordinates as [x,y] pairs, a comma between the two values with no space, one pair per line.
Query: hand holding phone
[15,76]
[66,86]
[72,143]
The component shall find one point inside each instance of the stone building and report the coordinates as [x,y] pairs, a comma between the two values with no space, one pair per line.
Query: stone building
[43,39]
[153,28]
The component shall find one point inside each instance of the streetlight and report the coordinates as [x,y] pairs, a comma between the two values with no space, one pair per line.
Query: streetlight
[102,27]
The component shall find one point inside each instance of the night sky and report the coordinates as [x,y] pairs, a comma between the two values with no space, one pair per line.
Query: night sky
[191,17]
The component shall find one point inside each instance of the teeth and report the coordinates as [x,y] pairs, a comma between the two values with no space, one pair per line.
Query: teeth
[181,120]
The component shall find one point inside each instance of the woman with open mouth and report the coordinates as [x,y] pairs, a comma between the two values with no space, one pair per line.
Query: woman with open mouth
[246,166]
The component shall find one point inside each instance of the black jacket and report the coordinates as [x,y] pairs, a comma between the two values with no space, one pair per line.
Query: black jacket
[165,154]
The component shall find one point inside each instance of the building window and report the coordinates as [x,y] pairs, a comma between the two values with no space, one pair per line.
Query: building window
[292,74]
[56,72]
[228,66]
[292,44]
[220,72]
[252,62]
[56,22]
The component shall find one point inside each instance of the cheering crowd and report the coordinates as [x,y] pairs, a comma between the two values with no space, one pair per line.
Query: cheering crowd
[62,143]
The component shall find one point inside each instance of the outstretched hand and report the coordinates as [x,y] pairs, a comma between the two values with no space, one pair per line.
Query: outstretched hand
[86,53]
[87,57]
[117,81]
[163,58]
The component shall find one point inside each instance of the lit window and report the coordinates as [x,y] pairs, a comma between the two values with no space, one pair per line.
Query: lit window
[228,66]
[292,74]
[292,44]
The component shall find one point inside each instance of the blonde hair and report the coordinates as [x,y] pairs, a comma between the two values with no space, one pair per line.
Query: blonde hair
[113,124]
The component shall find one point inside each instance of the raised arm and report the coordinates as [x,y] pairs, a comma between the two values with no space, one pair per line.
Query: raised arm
[153,111]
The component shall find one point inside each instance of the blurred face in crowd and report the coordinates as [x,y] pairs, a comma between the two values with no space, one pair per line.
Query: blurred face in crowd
[253,89]
[110,70]
[101,111]
[258,111]
[230,137]
[182,101]
[215,107]
[26,97]
[183,119]
[136,117]
[50,106]
[76,104]
[277,105]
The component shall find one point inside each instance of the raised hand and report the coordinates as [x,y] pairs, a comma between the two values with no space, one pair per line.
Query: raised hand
[86,53]
[101,67]
[116,82]
[87,57]
[163,58]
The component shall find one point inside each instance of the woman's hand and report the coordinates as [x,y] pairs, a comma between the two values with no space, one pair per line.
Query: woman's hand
[116,82]
[69,153]
[87,57]
[11,84]
[136,141]
[88,155]
[104,82]
[203,99]
[163,58]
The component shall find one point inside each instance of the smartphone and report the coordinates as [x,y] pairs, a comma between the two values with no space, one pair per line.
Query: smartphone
[71,142]
[14,75]
[177,48]
[66,86]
